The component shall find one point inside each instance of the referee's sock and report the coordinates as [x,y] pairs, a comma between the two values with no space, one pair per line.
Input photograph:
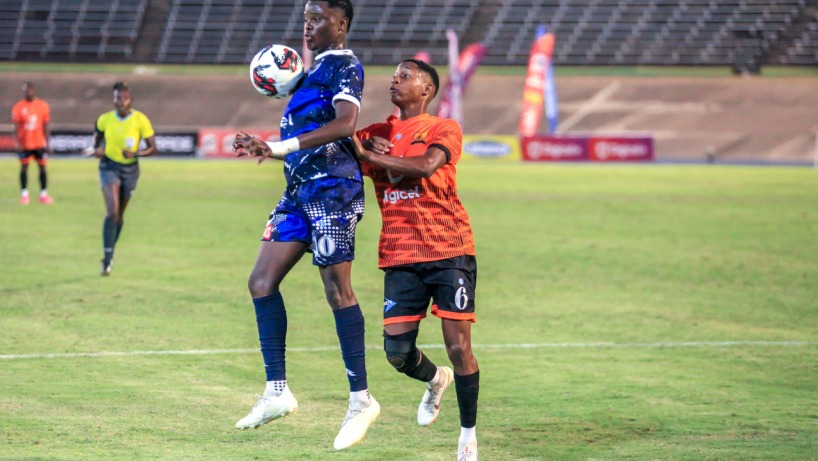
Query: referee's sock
[108,238]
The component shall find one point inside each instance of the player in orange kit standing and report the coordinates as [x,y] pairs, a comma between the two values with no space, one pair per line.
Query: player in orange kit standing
[31,116]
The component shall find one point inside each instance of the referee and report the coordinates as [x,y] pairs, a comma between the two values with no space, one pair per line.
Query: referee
[117,137]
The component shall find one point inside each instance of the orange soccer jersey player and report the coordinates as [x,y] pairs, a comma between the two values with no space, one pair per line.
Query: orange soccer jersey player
[426,246]
[31,117]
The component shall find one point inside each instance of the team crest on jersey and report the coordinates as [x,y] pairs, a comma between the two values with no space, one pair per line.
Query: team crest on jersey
[420,137]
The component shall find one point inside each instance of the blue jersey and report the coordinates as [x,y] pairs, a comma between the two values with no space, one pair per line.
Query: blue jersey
[335,75]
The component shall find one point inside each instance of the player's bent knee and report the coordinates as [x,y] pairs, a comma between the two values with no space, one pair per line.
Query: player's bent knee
[260,286]
[401,351]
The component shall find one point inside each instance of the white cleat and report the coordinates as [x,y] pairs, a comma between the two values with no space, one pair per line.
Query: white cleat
[467,451]
[105,269]
[357,421]
[429,407]
[268,409]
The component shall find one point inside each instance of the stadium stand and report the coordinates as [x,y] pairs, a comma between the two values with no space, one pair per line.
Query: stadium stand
[589,32]
[64,30]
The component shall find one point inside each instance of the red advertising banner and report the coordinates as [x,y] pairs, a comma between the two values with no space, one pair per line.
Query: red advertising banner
[218,142]
[555,148]
[582,148]
[620,149]
[7,143]
[531,110]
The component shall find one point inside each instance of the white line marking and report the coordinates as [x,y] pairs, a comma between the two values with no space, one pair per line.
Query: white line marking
[591,105]
[600,345]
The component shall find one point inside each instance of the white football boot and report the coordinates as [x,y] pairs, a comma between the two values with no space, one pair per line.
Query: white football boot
[359,417]
[429,407]
[269,408]
[467,451]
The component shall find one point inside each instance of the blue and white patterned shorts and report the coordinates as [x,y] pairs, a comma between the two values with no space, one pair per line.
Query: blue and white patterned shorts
[322,213]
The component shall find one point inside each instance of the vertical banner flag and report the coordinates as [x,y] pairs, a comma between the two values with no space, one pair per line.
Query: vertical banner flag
[422,56]
[534,91]
[454,90]
[550,93]
[467,63]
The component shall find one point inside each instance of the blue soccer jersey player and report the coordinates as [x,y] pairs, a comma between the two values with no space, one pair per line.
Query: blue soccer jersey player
[321,206]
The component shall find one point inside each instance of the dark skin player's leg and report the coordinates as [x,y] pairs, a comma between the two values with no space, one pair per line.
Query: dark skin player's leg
[274,261]
[456,336]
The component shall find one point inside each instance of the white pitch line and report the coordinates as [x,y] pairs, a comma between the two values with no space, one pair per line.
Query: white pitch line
[599,345]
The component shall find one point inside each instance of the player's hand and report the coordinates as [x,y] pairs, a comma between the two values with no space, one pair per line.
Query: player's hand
[377,145]
[90,151]
[128,153]
[367,149]
[244,145]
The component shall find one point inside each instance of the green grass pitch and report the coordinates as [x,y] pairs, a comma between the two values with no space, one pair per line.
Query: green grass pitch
[639,312]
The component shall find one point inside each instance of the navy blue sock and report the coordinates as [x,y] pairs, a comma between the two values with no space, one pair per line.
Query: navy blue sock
[271,318]
[349,324]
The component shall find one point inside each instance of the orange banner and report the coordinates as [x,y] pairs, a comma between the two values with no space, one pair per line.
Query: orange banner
[531,111]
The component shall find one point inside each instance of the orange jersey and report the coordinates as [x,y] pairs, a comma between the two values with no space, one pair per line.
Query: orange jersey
[29,119]
[423,219]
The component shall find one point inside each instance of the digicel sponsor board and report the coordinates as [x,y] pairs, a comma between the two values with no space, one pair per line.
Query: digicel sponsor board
[555,148]
[620,149]
[592,148]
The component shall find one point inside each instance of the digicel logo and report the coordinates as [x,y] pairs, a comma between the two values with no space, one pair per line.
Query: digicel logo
[391,196]
[612,149]
[538,150]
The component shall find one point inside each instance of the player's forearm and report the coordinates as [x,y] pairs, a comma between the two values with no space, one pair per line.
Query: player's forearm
[149,150]
[333,131]
[414,167]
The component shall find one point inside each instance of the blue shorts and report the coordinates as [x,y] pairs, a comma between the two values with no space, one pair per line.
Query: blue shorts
[322,213]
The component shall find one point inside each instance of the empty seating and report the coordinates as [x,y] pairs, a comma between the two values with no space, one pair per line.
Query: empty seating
[589,32]
[70,29]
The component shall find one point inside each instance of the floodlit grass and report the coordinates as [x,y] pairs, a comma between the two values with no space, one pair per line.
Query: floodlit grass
[671,314]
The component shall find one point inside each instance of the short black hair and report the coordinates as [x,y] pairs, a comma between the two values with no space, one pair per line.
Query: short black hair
[121,86]
[429,69]
[346,6]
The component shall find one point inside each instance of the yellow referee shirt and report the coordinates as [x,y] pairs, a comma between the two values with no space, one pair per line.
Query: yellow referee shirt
[123,133]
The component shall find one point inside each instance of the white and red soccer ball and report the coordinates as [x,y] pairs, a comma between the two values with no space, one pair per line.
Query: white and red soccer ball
[276,70]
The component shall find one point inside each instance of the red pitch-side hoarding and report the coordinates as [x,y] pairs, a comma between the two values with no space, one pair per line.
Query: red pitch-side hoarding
[218,142]
[7,143]
[555,148]
[594,148]
[625,149]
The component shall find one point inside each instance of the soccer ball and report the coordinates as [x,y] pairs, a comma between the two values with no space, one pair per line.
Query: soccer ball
[276,70]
